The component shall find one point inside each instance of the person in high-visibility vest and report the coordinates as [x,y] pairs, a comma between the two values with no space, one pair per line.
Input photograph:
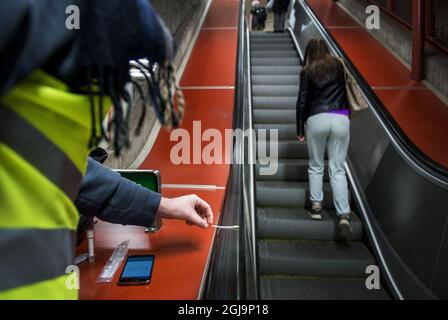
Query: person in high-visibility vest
[54,81]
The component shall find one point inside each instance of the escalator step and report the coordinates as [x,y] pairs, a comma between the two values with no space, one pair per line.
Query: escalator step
[276,80]
[274,54]
[318,289]
[275,91]
[274,102]
[272,62]
[288,194]
[287,149]
[269,47]
[275,70]
[274,116]
[295,223]
[314,258]
[257,34]
[285,131]
[287,170]
[270,41]
[292,149]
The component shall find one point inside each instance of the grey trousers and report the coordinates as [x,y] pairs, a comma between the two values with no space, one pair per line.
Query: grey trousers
[331,132]
[279,21]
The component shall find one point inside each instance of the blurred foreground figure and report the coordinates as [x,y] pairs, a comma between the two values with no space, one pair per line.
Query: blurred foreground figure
[280,9]
[55,84]
[258,16]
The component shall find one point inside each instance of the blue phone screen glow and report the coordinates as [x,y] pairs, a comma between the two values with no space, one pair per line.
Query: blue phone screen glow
[138,267]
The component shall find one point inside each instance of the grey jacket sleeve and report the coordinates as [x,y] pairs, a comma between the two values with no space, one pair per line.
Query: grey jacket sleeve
[106,195]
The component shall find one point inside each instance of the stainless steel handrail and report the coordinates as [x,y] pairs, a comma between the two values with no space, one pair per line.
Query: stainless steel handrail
[251,157]
[296,44]
[248,182]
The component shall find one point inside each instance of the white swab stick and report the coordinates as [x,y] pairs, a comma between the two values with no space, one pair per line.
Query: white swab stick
[225,227]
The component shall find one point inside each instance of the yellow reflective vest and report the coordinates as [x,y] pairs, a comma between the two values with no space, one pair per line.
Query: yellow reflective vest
[44,138]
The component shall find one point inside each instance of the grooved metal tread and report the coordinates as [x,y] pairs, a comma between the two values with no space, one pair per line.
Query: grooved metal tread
[276,80]
[295,223]
[287,149]
[274,102]
[275,91]
[288,194]
[275,69]
[283,116]
[272,62]
[270,41]
[314,258]
[274,53]
[286,131]
[286,169]
[268,47]
[318,289]
[262,34]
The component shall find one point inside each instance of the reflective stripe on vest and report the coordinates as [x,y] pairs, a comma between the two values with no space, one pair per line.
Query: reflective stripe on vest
[24,262]
[44,134]
[35,148]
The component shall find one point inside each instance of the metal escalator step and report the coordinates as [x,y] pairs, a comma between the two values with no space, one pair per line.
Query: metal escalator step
[288,149]
[318,289]
[293,62]
[287,194]
[274,102]
[293,79]
[295,223]
[274,54]
[258,34]
[268,46]
[285,131]
[275,70]
[287,169]
[275,91]
[314,258]
[269,40]
[274,116]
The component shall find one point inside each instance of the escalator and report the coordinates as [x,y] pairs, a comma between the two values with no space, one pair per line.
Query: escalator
[299,258]
[398,194]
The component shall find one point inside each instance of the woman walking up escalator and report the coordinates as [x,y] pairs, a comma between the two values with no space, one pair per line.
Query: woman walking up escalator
[323,120]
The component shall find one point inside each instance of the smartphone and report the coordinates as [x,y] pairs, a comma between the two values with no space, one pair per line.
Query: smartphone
[137,271]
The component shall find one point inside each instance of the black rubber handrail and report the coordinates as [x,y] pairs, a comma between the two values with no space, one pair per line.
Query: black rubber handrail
[226,277]
[419,160]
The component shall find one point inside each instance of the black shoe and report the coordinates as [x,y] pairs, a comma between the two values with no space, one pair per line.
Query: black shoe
[316,211]
[345,227]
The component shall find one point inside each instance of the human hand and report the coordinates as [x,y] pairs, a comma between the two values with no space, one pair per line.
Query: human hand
[301,138]
[191,208]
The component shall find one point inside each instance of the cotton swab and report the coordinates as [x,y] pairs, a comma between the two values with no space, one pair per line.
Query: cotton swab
[225,227]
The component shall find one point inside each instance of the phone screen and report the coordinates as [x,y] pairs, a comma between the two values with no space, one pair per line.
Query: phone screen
[137,270]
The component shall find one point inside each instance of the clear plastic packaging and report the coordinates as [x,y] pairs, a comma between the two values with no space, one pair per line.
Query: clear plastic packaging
[114,262]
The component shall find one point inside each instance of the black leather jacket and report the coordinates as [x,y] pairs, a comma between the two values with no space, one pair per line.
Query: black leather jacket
[320,95]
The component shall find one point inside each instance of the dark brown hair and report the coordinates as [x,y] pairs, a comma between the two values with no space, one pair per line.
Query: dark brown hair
[318,59]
